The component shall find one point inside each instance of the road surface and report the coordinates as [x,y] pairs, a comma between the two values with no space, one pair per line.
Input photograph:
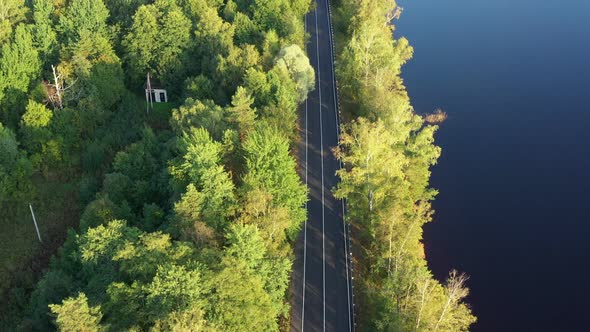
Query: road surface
[321,289]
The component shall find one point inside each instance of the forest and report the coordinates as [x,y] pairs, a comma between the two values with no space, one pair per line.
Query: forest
[174,216]
[388,150]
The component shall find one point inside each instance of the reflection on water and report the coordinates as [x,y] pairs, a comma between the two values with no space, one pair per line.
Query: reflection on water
[514,177]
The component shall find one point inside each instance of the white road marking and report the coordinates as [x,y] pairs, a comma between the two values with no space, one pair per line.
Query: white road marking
[322,168]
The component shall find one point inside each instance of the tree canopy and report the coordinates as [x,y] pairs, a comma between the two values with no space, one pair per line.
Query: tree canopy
[182,215]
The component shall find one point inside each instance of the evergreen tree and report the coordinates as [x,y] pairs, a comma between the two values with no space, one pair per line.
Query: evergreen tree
[270,167]
[83,16]
[12,12]
[157,43]
[44,34]
[19,66]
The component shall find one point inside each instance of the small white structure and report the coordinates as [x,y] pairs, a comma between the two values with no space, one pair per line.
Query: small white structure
[158,95]
[154,94]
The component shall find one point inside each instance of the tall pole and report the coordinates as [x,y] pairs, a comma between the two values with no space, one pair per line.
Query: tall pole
[35,222]
[149,91]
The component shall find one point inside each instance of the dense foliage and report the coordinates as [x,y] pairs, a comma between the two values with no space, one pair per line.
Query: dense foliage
[387,151]
[190,208]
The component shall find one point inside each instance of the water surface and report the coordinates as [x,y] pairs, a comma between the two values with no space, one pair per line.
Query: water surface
[514,176]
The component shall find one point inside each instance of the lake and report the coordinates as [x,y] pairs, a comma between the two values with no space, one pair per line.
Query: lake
[514,175]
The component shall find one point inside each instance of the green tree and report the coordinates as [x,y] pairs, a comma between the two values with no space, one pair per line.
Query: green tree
[275,97]
[83,16]
[76,315]
[200,166]
[12,12]
[15,170]
[231,69]
[237,307]
[19,66]
[121,11]
[172,289]
[370,65]
[240,302]
[270,167]
[190,320]
[301,71]
[189,219]
[157,43]
[55,286]
[205,114]
[257,208]
[143,163]
[101,211]
[213,36]
[93,65]
[41,143]
[44,34]
[246,32]
[241,111]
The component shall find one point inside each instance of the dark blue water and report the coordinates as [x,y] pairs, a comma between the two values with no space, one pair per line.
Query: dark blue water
[514,178]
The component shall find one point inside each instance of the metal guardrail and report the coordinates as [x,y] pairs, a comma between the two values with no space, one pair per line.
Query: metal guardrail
[348,241]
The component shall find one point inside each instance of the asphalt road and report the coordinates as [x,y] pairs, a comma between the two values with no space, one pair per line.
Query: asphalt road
[321,285]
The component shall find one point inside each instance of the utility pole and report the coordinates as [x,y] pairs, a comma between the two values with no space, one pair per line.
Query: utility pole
[148,94]
[35,222]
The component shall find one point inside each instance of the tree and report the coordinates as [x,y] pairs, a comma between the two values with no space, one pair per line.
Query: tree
[246,32]
[15,170]
[101,211]
[275,97]
[189,220]
[95,75]
[240,302]
[272,221]
[44,34]
[301,71]
[121,11]
[83,16]
[157,43]
[205,114]
[37,133]
[9,152]
[246,262]
[241,111]
[55,286]
[213,36]
[270,167]
[143,163]
[371,61]
[190,320]
[12,12]
[36,116]
[19,66]
[377,162]
[200,166]
[75,315]
[231,68]
[455,292]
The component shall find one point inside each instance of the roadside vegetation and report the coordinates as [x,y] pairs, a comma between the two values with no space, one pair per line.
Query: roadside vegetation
[181,218]
[387,151]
